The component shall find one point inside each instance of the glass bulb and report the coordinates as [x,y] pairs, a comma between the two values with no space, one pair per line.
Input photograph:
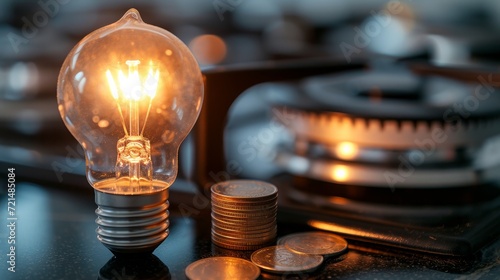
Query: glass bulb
[130,93]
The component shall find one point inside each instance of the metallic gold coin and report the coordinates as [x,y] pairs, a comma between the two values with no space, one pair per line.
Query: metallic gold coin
[248,214]
[219,268]
[244,203]
[245,213]
[240,247]
[271,232]
[244,240]
[251,229]
[315,243]
[247,220]
[244,190]
[244,225]
[252,208]
[278,259]
[244,228]
[244,206]
[240,240]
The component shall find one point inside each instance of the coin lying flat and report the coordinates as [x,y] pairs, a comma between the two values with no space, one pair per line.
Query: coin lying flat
[278,259]
[315,243]
[219,268]
[244,190]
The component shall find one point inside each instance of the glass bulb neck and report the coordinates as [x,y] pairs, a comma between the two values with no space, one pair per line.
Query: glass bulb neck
[134,168]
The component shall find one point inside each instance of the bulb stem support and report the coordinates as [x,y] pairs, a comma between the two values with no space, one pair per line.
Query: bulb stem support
[132,224]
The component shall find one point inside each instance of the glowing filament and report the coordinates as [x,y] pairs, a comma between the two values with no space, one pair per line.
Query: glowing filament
[133,166]
[131,89]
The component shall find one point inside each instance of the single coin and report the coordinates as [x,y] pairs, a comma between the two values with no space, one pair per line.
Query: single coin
[278,259]
[244,203]
[233,216]
[218,268]
[247,225]
[315,243]
[243,241]
[239,246]
[248,220]
[248,214]
[250,208]
[244,190]
[228,225]
[243,229]
[271,233]
[240,202]
[225,243]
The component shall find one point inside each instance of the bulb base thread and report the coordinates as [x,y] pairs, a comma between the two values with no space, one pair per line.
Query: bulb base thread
[132,224]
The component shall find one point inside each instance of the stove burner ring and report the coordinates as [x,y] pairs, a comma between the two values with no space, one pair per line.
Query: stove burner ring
[348,151]
[353,108]
[380,176]
[392,113]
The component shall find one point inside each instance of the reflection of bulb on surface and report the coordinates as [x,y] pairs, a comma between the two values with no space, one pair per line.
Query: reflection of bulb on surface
[130,93]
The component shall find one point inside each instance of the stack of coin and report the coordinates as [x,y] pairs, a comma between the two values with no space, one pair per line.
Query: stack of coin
[244,214]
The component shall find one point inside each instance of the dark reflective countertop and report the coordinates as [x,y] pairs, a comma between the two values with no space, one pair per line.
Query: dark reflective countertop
[55,239]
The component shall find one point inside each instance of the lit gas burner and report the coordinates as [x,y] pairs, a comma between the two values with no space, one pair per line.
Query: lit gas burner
[393,129]
[392,147]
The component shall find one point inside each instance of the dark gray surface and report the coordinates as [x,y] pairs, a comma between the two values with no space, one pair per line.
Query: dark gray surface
[56,240]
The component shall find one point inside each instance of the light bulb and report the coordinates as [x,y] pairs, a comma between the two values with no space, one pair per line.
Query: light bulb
[130,93]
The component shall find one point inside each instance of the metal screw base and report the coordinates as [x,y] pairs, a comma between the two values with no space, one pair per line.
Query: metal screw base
[132,224]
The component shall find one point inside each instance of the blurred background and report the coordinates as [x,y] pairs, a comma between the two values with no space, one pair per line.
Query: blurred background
[35,37]
[451,204]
